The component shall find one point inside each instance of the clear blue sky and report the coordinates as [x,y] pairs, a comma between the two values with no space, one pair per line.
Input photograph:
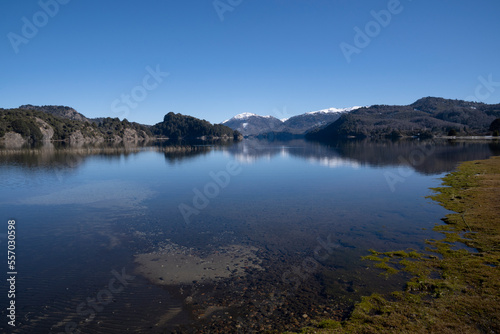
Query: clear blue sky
[270,57]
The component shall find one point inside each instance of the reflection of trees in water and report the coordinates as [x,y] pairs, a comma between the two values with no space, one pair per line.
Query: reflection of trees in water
[59,158]
[63,157]
[174,154]
[495,147]
[180,150]
[427,157]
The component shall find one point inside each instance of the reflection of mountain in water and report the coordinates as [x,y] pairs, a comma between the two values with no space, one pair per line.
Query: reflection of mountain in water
[64,158]
[177,151]
[61,156]
[176,154]
[250,150]
[427,157]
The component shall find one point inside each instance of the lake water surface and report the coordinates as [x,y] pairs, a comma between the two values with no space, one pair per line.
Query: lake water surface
[245,237]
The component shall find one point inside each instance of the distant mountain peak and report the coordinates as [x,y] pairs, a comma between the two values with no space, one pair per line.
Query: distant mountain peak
[253,124]
[245,116]
[333,110]
[249,123]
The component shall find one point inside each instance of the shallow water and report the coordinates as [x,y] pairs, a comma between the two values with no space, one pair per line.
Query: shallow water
[310,211]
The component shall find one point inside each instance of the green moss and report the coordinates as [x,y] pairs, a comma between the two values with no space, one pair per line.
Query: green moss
[415,255]
[329,324]
[400,254]
[389,270]
[372,258]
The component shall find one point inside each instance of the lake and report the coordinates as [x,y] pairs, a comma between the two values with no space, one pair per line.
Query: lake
[229,238]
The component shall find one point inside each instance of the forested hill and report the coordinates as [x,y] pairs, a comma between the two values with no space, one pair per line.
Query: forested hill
[61,111]
[34,125]
[426,117]
[58,123]
[181,126]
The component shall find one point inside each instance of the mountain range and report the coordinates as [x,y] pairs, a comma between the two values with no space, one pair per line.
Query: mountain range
[250,124]
[426,117]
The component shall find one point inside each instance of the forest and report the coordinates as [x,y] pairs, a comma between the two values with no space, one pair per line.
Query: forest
[180,126]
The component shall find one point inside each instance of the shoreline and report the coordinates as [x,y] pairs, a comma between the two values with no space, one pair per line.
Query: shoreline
[468,137]
[456,283]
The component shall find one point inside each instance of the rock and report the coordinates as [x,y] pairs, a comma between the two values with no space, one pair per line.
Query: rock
[77,138]
[13,140]
[130,135]
[46,129]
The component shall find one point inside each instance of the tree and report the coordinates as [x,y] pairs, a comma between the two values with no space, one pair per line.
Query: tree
[27,129]
[495,125]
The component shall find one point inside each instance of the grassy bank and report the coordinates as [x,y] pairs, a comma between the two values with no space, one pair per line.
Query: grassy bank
[456,283]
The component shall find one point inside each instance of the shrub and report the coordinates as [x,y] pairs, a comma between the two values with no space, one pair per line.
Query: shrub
[27,129]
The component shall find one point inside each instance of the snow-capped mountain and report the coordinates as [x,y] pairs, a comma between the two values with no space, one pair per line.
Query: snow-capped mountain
[333,110]
[253,124]
[245,116]
[302,123]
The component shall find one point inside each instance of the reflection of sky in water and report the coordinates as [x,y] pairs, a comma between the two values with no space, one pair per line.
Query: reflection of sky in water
[334,162]
[114,192]
[285,197]
[280,177]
